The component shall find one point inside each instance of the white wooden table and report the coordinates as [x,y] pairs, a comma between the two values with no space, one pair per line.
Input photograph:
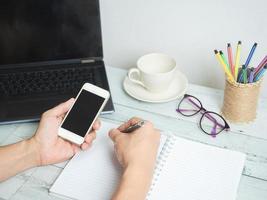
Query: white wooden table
[250,139]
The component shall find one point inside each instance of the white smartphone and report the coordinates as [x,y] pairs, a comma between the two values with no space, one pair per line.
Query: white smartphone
[79,120]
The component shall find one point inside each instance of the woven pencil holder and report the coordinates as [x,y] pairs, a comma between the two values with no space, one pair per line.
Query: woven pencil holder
[240,101]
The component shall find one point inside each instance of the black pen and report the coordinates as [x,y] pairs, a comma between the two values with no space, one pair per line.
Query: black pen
[134,127]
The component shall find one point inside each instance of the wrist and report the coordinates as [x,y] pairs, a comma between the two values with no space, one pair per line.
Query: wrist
[34,151]
[135,183]
[137,175]
[139,167]
[142,163]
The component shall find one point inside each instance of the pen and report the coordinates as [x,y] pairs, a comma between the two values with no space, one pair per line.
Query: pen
[224,60]
[251,75]
[239,73]
[261,65]
[134,127]
[249,58]
[243,75]
[260,74]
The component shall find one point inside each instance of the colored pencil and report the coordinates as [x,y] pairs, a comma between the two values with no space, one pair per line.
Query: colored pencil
[224,66]
[237,58]
[250,54]
[230,58]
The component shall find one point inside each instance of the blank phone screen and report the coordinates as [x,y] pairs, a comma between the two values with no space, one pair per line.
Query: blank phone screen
[83,113]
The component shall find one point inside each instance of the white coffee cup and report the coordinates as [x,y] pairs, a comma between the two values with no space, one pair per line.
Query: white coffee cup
[154,72]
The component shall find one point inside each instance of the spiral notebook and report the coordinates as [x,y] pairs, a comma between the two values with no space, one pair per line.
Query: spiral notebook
[185,170]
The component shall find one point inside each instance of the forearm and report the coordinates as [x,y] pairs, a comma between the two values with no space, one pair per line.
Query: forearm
[17,157]
[134,185]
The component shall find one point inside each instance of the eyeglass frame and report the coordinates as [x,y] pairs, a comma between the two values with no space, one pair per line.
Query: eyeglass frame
[201,108]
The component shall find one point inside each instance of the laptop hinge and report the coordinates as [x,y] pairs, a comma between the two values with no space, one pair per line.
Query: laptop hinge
[88,61]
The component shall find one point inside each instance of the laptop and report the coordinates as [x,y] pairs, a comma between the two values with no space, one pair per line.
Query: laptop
[48,50]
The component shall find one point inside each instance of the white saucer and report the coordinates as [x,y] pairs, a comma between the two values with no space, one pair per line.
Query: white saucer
[177,89]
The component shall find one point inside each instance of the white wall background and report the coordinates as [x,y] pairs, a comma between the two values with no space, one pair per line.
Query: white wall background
[188,30]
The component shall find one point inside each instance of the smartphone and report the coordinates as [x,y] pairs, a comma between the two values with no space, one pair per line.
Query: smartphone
[79,120]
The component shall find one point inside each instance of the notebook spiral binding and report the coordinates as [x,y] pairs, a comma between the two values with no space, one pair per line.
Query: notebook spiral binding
[170,142]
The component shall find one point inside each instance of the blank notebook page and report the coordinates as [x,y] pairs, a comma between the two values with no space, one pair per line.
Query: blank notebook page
[93,174]
[194,171]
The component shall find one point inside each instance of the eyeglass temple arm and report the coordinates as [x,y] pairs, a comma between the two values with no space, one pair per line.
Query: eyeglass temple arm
[193,102]
[213,130]
[186,110]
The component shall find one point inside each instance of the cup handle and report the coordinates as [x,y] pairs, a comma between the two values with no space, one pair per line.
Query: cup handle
[137,71]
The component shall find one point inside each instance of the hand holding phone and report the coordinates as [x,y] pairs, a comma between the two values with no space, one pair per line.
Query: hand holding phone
[88,104]
[51,149]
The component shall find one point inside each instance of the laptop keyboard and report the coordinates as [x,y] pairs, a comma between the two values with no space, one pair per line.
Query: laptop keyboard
[59,81]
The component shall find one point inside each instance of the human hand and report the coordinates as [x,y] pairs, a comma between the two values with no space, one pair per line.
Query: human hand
[137,153]
[138,148]
[49,146]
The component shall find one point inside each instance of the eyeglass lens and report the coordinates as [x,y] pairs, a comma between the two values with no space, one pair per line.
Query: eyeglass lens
[212,123]
[189,106]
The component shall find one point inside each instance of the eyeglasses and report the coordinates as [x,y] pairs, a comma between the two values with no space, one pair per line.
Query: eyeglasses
[210,123]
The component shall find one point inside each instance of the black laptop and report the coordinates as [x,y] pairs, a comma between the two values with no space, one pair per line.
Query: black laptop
[48,50]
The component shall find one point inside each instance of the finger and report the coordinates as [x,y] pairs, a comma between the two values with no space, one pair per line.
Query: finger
[90,137]
[62,108]
[60,118]
[76,148]
[85,146]
[97,124]
[129,123]
[114,134]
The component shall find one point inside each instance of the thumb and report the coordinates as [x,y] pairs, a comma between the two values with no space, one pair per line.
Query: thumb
[62,108]
[114,134]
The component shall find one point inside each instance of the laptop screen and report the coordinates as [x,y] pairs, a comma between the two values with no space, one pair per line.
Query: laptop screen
[49,30]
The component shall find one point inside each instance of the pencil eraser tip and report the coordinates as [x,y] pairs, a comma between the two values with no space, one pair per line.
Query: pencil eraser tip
[215,51]
[228,44]
[221,52]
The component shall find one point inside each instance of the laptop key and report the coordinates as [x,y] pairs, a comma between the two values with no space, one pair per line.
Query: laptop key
[58,81]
